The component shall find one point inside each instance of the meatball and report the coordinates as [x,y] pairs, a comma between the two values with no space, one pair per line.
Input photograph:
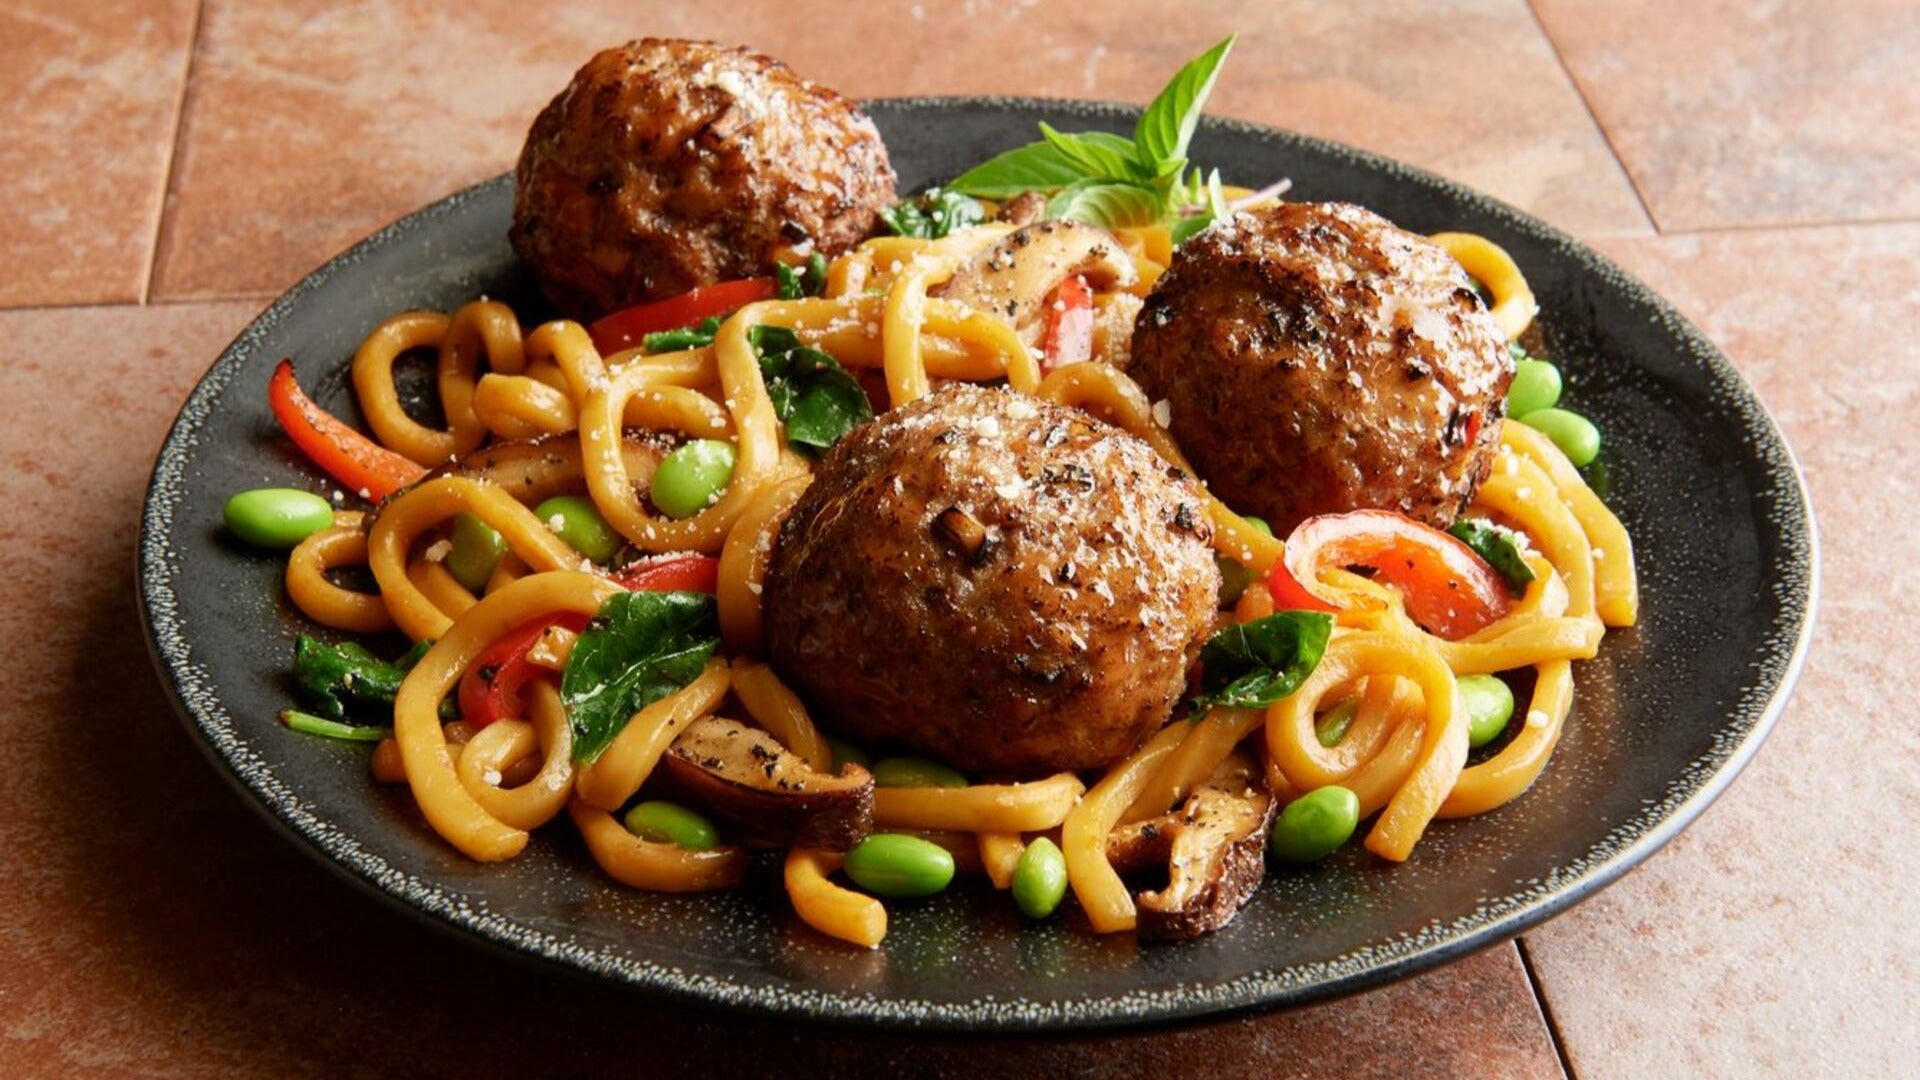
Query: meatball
[995,580]
[667,165]
[1316,359]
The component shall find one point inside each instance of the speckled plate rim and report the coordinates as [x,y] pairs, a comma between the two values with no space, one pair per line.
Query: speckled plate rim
[198,701]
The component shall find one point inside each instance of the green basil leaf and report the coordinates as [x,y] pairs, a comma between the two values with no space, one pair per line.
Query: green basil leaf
[1499,546]
[338,679]
[787,284]
[641,647]
[1108,205]
[814,281]
[1166,127]
[1253,665]
[1216,197]
[1097,159]
[1037,166]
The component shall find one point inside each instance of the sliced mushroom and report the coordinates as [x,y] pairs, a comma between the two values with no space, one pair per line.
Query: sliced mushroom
[1113,317]
[1013,279]
[762,794]
[1212,846]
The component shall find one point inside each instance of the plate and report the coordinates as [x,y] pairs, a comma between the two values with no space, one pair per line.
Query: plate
[1663,720]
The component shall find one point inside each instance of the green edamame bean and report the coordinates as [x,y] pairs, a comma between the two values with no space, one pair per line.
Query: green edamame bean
[1536,385]
[1489,706]
[670,823]
[1331,726]
[899,866]
[1314,825]
[1039,879]
[1574,434]
[277,517]
[476,551]
[845,753]
[576,521]
[692,477]
[915,772]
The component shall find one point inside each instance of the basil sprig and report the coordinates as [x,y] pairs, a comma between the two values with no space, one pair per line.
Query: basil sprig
[1113,181]
[816,398]
[698,336]
[1252,665]
[641,647]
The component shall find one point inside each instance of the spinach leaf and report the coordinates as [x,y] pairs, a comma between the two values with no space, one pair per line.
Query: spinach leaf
[697,336]
[800,282]
[1166,127]
[335,679]
[641,647]
[1499,546]
[1250,665]
[816,398]
[933,214]
[1037,166]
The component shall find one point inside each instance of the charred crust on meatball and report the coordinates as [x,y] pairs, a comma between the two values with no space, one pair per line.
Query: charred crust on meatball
[994,580]
[666,164]
[1317,359]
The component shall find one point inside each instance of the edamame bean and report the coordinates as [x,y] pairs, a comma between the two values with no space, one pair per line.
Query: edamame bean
[476,551]
[670,823]
[576,521]
[692,477]
[277,517]
[915,772]
[1331,726]
[1489,706]
[899,866]
[1314,825]
[1536,386]
[1574,434]
[845,752]
[1039,879]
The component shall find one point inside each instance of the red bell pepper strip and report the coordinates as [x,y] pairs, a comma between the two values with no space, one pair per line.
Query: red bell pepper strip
[1448,589]
[624,329]
[493,686]
[671,573]
[357,462]
[1069,338]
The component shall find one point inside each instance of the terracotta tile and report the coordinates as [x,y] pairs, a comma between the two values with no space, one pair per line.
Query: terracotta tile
[1777,936]
[313,123]
[151,925]
[92,91]
[1730,113]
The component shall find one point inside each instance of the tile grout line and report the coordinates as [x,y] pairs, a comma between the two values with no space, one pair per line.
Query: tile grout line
[1789,226]
[1573,81]
[173,156]
[1546,1011]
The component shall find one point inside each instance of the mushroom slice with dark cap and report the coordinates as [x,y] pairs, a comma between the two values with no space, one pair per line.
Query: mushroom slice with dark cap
[1212,846]
[1013,278]
[763,794]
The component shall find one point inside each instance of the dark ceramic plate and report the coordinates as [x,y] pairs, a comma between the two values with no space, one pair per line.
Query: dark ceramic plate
[1664,718]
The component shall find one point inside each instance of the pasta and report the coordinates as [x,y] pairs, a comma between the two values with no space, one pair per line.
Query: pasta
[1404,754]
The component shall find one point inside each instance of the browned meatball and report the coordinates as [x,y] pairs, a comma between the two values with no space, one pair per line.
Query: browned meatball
[998,581]
[667,164]
[1316,359]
